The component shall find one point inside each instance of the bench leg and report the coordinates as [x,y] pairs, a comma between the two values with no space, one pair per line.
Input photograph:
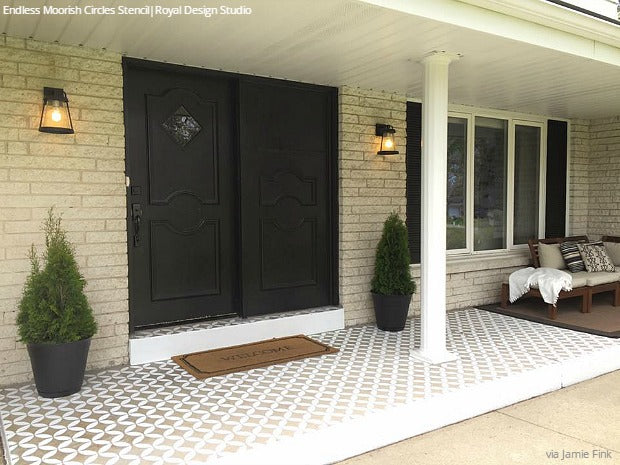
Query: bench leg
[505,293]
[586,302]
[553,312]
[617,295]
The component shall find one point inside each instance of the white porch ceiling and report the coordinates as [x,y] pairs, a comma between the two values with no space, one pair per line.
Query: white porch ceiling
[347,42]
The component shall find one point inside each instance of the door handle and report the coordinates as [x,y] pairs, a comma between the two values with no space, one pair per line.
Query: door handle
[136,216]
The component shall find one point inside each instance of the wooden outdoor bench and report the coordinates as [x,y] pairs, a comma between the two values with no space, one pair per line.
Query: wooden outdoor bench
[585,292]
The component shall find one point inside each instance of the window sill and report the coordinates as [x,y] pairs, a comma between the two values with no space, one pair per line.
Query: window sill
[482,261]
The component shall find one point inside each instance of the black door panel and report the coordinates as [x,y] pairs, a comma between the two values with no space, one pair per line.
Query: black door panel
[183,160]
[232,206]
[180,157]
[285,195]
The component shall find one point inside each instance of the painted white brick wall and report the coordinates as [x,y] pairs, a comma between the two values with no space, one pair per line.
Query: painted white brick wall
[82,175]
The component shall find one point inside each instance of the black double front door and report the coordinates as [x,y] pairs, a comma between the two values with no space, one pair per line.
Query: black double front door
[231,194]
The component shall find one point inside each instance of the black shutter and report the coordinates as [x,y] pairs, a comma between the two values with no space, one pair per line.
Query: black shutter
[555,213]
[414,178]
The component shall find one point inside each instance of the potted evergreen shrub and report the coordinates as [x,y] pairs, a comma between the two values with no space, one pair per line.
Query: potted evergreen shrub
[392,285]
[55,320]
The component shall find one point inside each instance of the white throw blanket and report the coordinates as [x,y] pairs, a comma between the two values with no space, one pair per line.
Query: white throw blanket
[549,282]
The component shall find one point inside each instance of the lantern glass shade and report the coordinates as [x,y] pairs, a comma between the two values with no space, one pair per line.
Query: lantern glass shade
[55,117]
[388,146]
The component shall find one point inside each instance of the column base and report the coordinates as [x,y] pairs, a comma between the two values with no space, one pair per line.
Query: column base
[433,357]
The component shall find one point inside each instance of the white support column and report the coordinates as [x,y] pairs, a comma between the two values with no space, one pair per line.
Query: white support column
[434,185]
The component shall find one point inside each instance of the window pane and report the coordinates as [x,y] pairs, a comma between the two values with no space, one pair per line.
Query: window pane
[457,183]
[527,172]
[490,161]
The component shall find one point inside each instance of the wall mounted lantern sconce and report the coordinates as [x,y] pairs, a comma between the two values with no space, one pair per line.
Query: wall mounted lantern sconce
[55,117]
[387,139]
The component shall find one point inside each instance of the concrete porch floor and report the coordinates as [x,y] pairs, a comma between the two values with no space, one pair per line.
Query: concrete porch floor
[319,410]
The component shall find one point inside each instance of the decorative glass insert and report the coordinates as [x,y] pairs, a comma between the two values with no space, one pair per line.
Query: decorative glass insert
[181,126]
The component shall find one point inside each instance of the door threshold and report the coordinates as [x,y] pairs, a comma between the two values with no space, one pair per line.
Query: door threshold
[151,345]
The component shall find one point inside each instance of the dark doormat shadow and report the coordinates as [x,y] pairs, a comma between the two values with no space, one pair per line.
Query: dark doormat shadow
[603,320]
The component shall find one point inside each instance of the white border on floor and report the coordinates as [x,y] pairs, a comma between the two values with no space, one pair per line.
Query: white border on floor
[380,429]
[162,347]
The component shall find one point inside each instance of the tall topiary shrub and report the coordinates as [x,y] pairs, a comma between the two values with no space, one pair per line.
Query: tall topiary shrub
[392,275]
[53,308]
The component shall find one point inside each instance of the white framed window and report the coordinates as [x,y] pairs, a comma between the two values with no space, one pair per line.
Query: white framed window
[496,181]
[459,174]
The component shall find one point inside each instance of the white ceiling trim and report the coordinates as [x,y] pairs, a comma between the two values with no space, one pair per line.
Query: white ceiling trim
[530,21]
[357,43]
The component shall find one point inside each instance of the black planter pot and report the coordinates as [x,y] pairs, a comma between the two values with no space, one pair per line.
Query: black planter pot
[391,311]
[59,368]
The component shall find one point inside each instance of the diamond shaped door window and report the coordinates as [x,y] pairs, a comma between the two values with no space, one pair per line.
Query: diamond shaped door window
[181,126]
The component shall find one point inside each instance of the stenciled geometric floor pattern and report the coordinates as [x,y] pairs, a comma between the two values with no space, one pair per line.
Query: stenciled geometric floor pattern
[157,413]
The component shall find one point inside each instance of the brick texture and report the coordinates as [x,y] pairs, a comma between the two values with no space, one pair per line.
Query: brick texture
[371,186]
[594,173]
[81,175]
[604,172]
[578,177]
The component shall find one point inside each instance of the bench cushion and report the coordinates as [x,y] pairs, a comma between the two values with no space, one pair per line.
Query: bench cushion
[601,277]
[580,279]
[583,278]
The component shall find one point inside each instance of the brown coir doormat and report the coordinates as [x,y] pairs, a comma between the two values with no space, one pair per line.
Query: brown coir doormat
[247,356]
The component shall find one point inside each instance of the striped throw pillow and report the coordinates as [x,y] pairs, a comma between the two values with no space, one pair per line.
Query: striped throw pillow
[572,257]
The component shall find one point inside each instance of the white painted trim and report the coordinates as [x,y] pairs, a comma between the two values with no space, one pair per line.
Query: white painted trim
[542,202]
[471,145]
[488,261]
[499,114]
[434,202]
[395,424]
[590,366]
[529,21]
[510,185]
[152,349]
[398,423]
[460,110]
[433,358]
[469,198]
[542,175]
[487,255]
[5,444]
[567,227]
[513,118]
